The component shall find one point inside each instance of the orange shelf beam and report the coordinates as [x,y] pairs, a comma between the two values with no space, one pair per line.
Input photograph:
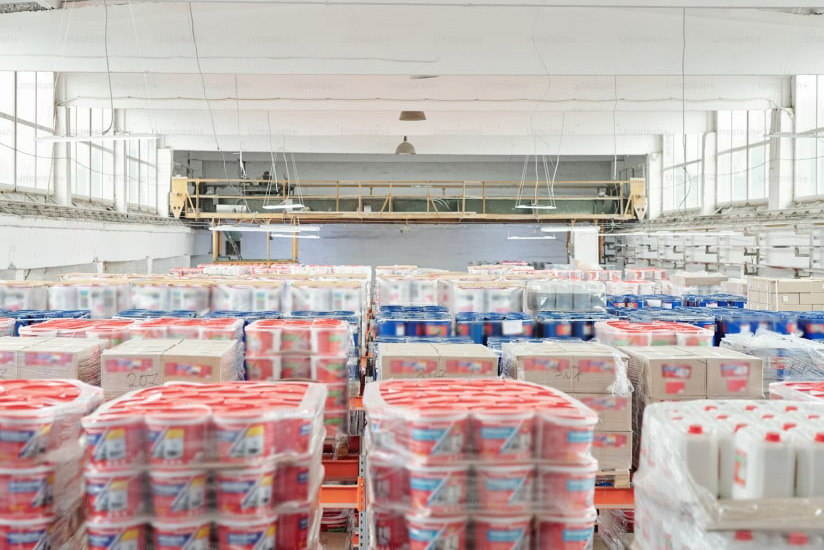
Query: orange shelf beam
[341,469]
[351,496]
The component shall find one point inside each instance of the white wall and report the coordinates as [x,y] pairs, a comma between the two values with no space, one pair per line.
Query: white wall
[41,248]
[434,246]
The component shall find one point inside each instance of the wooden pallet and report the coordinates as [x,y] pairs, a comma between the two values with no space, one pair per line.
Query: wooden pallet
[618,479]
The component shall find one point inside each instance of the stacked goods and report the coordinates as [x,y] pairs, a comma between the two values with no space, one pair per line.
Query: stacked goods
[203,329]
[785,357]
[785,294]
[798,391]
[602,275]
[248,296]
[50,358]
[145,363]
[478,464]
[665,373]
[698,282]
[25,317]
[632,287]
[234,463]
[482,326]
[176,295]
[594,374]
[566,273]
[811,324]
[616,528]
[569,324]
[563,295]
[326,296]
[19,295]
[676,315]
[41,462]
[6,326]
[645,274]
[406,290]
[656,333]
[103,298]
[154,314]
[413,321]
[480,294]
[316,349]
[425,360]
[715,300]
[730,475]
[110,332]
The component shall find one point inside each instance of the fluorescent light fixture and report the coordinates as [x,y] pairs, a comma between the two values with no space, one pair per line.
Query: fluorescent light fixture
[241,228]
[792,135]
[535,207]
[283,206]
[570,229]
[290,228]
[537,238]
[278,235]
[107,137]
[677,234]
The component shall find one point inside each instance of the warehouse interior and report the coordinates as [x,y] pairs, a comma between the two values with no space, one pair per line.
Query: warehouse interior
[558,184]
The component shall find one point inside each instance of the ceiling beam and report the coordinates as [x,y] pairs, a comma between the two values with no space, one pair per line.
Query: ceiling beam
[236,38]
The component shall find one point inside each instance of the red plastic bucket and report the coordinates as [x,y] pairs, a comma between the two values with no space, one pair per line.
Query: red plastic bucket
[109,534]
[177,436]
[114,495]
[235,534]
[503,433]
[114,439]
[502,533]
[438,489]
[178,494]
[426,533]
[245,491]
[505,488]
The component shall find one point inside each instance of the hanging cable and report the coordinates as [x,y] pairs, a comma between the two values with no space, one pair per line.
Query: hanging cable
[108,66]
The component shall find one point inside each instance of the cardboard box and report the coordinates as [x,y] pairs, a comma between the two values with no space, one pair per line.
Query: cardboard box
[408,361]
[614,412]
[200,361]
[75,358]
[731,374]
[613,450]
[574,366]
[133,365]
[10,346]
[667,371]
[788,298]
[466,360]
[698,279]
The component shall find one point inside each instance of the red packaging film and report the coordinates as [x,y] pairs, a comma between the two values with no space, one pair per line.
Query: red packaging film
[107,535]
[475,463]
[227,462]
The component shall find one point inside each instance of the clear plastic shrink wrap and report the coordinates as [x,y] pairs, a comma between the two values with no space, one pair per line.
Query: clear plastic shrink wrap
[725,475]
[478,464]
[41,462]
[785,357]
[184,464]
[316,349]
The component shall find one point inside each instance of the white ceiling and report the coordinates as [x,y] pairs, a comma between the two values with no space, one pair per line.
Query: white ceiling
[331,77]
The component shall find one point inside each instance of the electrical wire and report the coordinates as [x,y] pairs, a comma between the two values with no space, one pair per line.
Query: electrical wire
[687,179]
[108,66]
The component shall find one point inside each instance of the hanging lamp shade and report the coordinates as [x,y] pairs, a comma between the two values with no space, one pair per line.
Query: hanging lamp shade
[405,148]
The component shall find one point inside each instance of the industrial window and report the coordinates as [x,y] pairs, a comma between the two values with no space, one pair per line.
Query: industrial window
[141,173]
[682,172]
[809,151]
[743,156]
[26,113]
[92,162]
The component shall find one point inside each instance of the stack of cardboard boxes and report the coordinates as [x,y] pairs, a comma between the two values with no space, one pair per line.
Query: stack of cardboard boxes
[49,358]
[422,360]
[785,294]
[592,373]
[137,364]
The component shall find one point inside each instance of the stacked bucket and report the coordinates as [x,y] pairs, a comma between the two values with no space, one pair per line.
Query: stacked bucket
[41,462]
[304,349]
[654,333]
[478,465]
[231,466]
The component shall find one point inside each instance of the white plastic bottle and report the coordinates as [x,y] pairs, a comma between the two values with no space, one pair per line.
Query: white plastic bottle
[748,540]
[809,452]
[764,464]
[798,541]
[726,455]
[700,450]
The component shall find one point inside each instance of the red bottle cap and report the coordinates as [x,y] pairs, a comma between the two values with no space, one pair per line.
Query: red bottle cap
[819,437]
[743,535]
[772,437]
[696,429]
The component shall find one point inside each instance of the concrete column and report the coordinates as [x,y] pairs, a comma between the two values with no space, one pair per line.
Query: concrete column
[655,181]
[710,165]
[782,162]
[165,166]
[62,161]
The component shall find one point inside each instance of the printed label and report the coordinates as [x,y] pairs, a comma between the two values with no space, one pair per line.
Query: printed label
[546,364]
[740,472]
[729,370]
[577,535]
[128,365]
[676,371]
[167,444]
[401,366]
[610,440]
[244,442]
[127,540]
[591,366]
[512,327]
[112,496]
[186,369]
[575,436]
[109,445]
[462,366]
[674,388]
[737,386]
[580,485]
[505,535]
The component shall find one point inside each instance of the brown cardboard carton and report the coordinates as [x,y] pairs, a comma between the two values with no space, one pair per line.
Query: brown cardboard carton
[408,361]
[76,358]
[613,450]
[595,366]
[543,363]
[731,374]
[614,412]
[10,348]
[788,298]
[201,361]
[133,365]
[466,361]
[667,371]
[698,279]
